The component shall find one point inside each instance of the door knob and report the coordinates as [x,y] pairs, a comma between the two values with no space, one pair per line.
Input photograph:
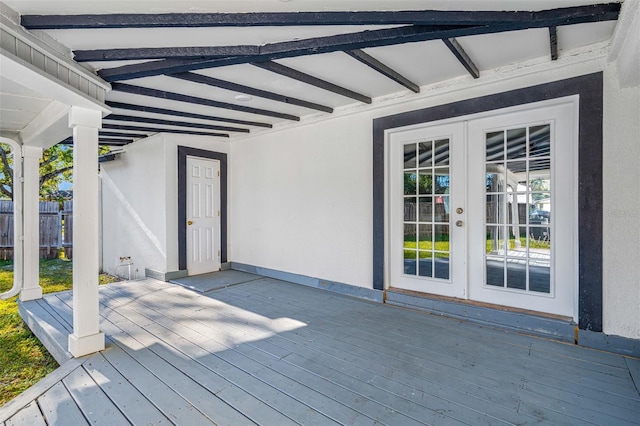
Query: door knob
[189,222]
[459,223]
[459,210]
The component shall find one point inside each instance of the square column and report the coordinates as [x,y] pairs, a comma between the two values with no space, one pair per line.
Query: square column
[31,210]
[86,337]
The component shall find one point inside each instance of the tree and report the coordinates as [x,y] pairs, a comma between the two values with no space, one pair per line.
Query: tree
[56,168]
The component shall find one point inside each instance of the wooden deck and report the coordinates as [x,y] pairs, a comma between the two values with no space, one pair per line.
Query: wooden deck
[274,353]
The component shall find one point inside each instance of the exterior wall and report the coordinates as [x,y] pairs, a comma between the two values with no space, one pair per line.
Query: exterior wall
[140,203]
[621,245]
[301,196]
[301,200]
[171,184]
[133,209]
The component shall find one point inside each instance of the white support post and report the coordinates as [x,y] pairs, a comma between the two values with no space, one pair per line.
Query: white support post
[86,337]
[31,289]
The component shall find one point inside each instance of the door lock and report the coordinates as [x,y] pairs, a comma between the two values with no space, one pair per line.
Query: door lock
[459,210]
[459,223]
[189,222]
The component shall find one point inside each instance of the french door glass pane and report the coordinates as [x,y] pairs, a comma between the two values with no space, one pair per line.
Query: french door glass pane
[426,209]
[518,209]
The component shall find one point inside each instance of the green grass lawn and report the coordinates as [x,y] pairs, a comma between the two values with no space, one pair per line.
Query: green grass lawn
[23,360]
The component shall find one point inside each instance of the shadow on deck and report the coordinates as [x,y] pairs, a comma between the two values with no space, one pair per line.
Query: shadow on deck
[254,350]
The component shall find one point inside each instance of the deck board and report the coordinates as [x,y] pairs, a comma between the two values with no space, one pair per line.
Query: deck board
[29,415]
[382,394]
[130,401]
[263,351]
[92,401]
[595,401]
[482,356]
[160,381]
[235,359]
[59,408]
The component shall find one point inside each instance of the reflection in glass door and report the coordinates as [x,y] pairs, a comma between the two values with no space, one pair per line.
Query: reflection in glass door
[426,209]
[522,188]
[518,209]
[427,248]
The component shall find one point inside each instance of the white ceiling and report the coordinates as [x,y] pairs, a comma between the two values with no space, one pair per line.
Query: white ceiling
[423,63]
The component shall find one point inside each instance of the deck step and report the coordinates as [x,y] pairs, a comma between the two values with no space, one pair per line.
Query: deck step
[48,328]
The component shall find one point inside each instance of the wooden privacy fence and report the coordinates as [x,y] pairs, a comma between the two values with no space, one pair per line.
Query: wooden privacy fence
[56,229]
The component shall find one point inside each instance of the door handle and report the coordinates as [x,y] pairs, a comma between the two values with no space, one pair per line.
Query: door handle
[189,222]
[459,223]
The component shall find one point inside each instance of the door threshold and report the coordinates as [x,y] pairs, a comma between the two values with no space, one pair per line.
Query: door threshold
[521,320]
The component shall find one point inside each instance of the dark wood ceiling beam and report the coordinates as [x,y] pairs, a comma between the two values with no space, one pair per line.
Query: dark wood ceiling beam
[590,13]
[145,91]
[462,56]
[553,42]
[311,80]
[383,69]
[165,111]
[191,52]
[229,54]
[161,130]
[122,135]
[227,85]
[101,141]
[149,120]
[115,141]
[290,49]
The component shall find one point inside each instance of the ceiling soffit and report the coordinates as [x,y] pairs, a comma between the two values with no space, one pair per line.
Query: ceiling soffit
[181,74]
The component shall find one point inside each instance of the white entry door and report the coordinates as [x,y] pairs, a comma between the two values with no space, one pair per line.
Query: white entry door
[203,215]
[485,208]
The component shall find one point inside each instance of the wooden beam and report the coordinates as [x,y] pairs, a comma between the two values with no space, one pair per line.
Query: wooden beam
[165,111]
[462,56]
[194,52]
[231,54]
[591,13]
[553,42]
[210,81]
[290,49]
[149,120]
[311,80]
[383,69]
[115,141]
[101,141]
[122,135]
[145,91]
[161,130]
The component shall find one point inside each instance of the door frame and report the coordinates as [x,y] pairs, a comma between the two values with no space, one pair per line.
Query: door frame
[183,152]
[589,89]
[204,265]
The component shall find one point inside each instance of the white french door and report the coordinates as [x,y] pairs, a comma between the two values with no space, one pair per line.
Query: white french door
[203,215]
[485,208]
[427,214]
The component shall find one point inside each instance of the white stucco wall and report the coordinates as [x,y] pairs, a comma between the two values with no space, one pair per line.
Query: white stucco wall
[621,205]
[302,196]
[140,203]
[133,204]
